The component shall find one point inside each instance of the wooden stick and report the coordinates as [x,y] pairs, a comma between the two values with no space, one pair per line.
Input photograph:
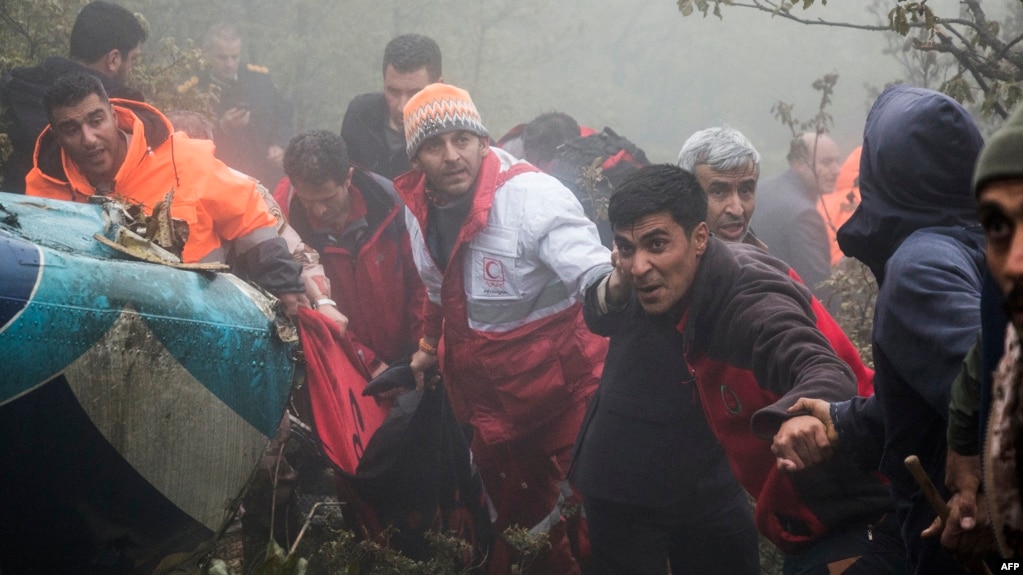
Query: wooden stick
[938,504]
[930,491]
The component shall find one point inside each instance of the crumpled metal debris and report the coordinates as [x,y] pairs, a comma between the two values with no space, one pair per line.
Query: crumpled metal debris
[155,238]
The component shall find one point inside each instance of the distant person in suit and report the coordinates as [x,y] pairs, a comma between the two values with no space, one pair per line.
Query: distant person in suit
[787,219]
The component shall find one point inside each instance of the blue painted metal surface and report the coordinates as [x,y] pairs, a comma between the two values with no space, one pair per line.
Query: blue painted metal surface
[132,394]
[214,327]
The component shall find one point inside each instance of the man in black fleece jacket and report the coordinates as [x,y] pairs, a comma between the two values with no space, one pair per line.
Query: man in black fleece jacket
[710,344]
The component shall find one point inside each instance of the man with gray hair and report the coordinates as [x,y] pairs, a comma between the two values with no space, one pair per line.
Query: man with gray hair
[727,167]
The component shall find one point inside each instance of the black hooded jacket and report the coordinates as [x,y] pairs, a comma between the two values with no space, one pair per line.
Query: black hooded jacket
[22,91]
[364,129]
[917,230]
[916,167]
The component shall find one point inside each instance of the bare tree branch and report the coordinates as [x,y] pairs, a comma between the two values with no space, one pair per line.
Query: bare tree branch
[978,77]
[781,11]
[974,42]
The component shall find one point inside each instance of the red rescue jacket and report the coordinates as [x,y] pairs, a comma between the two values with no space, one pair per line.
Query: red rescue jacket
[372,276]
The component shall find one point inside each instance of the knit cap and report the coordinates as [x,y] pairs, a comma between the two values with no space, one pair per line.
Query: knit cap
[439,109]
[1002,155]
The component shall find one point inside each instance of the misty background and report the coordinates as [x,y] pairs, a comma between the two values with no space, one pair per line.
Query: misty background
[637,66]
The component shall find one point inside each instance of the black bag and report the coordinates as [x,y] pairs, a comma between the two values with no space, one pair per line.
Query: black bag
[592,166]
[416,472]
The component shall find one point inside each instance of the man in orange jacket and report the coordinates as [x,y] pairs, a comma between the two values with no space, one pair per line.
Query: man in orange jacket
[97,147]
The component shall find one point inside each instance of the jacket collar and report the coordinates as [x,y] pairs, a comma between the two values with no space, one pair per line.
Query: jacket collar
[412,188]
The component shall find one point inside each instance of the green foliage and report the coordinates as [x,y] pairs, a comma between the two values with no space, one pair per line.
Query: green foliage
[277,562]
[527,546]
[999,93]
[347,555]
[853,292]
[959,88]
[31,30]
[903,15]
[822,121]
[160,76]
[687,6]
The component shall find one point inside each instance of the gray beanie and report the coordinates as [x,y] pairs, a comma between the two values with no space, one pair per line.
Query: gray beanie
[1002,155]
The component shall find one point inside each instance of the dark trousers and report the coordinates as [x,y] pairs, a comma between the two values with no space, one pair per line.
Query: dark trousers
[711,535]
[874,549]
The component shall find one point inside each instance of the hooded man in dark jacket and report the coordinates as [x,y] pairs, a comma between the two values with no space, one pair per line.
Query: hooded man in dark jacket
[916,229]
[105,42]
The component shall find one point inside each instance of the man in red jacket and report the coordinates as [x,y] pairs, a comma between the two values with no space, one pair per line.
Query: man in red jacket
[354,219]
[505,252]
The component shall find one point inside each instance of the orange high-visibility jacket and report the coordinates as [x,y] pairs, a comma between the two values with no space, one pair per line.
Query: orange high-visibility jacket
[218,203]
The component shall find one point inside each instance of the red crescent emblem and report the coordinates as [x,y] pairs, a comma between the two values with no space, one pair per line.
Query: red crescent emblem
[488,269]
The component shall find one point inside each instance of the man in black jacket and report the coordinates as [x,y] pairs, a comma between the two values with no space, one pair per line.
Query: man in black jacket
[916,229]
[710,343]
[254,121]
[373,127]
[106,40]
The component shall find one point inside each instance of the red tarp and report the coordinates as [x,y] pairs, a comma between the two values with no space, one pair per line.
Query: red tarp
[344,419]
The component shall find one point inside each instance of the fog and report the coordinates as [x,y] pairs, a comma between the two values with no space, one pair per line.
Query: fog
[637,66]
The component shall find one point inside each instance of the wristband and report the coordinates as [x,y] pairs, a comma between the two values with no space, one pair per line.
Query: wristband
[324,301]
[427,348]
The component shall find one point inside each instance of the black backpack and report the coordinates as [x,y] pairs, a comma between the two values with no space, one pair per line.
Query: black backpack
[592,166]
